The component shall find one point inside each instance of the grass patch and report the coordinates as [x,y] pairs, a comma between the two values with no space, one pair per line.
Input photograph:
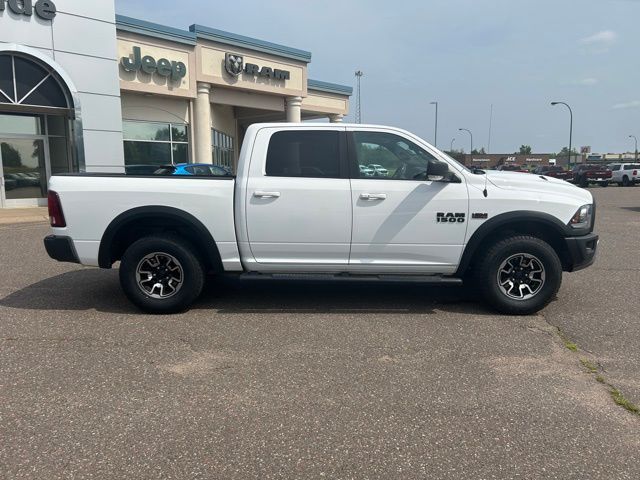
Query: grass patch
[568,344]
[600,378]
[588,365]
[620,399]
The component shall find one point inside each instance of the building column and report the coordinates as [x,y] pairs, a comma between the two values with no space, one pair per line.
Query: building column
[294,109]
[202,126]
[336,118]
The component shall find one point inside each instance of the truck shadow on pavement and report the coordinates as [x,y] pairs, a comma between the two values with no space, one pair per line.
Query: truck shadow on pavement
[95,289]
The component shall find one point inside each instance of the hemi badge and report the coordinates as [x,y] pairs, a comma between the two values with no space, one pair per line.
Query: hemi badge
[481,216]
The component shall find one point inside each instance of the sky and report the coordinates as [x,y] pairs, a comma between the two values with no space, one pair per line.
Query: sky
[517,55]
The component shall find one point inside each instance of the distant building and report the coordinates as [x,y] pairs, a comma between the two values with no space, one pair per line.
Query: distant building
[495,159]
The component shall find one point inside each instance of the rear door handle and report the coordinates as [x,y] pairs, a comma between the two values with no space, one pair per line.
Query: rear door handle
[373,196]
[260,194]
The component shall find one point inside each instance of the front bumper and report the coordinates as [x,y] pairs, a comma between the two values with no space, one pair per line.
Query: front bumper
[61,249]
[582,251]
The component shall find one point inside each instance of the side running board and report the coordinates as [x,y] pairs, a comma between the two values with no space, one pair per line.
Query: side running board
[349,277]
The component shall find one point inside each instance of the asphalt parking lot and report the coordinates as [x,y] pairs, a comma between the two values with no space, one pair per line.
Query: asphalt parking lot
[285,380]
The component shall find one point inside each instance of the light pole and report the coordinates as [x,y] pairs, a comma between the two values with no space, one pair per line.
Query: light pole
[451,146]
[636,140]
[470,134]
[359,75]
[435,137]
[570,124]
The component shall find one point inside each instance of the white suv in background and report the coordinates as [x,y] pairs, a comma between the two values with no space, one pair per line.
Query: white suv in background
[625,174]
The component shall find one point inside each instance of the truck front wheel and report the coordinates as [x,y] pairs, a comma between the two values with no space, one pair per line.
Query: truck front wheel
[519,275]
[161,274]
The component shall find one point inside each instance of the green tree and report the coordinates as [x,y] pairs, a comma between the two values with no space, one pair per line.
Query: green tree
[478,152]
[524,150]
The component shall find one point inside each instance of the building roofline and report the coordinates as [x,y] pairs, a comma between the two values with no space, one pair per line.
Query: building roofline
[320,86]
[142,27]
[250,43]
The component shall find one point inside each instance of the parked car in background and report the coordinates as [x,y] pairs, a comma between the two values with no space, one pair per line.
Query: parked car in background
[585,174]
[140,169]
[625,174]
[10,183]
[554,171]
[512,167]
[379,170]
[366,171]
[200,169]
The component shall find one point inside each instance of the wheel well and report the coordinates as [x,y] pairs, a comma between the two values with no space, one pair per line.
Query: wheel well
[125,231]
[538,229]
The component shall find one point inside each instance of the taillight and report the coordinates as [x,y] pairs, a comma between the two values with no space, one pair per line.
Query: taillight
[56,217]
[635,172]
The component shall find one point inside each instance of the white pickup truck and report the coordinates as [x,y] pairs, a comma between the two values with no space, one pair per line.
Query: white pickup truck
[302,207]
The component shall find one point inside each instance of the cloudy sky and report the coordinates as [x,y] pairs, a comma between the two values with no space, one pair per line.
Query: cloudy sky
[518,55]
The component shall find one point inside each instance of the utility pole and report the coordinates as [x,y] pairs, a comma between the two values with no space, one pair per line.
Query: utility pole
[359,75]
[435,136]
[636,140]
[451,147]
[490,122]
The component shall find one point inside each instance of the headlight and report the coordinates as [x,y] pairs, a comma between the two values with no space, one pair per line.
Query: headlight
[582,217]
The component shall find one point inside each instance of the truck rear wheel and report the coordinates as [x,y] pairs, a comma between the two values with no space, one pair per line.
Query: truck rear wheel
[161,274]
[519,275]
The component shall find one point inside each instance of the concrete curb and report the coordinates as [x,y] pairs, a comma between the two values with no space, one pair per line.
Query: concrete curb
[10,216]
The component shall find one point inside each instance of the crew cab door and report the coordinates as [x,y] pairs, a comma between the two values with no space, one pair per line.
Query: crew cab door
[402,221]
[298,200]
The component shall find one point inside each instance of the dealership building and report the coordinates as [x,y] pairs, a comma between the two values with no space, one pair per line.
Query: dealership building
[84,89]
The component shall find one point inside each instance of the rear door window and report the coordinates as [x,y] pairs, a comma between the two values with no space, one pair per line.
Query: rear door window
[300,153]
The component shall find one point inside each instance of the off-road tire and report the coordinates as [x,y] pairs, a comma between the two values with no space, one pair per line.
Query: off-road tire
[192,273]
[625,181]
[493,258]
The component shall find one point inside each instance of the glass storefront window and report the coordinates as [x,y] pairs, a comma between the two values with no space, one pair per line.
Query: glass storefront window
[21,124]
[153,143]
[223,151]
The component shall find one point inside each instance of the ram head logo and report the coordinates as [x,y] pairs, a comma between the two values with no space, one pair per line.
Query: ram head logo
[233,64]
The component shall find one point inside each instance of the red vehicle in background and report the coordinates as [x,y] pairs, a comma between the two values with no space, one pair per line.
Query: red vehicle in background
[512,167]
[585,174]
[555,172]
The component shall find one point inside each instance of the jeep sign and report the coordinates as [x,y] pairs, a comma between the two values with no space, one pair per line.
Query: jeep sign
[173,70]
[44,9]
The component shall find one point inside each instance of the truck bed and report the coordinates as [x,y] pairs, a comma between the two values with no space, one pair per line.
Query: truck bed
[91,202]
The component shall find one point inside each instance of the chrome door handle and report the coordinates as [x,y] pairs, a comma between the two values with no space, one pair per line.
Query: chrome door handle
[266,194]
[373,196]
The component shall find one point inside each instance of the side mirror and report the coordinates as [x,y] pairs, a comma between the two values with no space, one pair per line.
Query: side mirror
[438,172]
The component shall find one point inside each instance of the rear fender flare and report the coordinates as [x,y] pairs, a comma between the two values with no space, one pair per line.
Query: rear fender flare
[169,214]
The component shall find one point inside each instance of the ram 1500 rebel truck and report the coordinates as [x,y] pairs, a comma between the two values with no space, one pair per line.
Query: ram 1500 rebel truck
[302,207]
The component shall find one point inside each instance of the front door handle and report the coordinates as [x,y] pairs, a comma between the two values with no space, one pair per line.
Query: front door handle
[260,194]
[373,196]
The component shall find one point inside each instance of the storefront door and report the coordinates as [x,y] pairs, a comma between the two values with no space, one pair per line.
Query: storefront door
[24,169]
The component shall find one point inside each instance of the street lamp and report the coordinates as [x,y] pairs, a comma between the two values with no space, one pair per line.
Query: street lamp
[636,140]
[451,147]
[570,124]
[435,137]
[470,134]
